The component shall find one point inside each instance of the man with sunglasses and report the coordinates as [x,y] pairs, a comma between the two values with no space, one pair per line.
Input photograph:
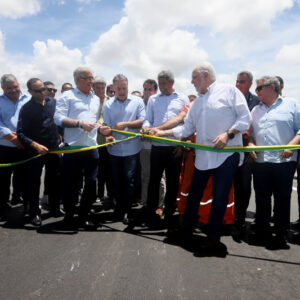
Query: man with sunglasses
[50,89]
[276,121]
[11,150]
[38,133]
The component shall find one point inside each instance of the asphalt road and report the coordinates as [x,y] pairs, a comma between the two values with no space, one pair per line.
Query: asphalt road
[52,263]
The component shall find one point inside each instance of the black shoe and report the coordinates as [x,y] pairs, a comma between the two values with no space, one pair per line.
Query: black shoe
[57,213]
[36,221]
[16,200]
[89,225]
[3,218]
[277,243]
[258,239]
[296,225]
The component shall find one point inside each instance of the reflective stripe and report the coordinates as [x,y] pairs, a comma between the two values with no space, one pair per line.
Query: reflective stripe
[183,194]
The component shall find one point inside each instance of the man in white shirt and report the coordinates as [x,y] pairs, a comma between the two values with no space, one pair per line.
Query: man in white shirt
[219,116]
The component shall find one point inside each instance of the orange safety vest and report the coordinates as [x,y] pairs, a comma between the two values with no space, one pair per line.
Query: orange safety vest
[185,182]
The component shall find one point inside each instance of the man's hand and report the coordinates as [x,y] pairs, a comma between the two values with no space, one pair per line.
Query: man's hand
[88,126]
[145,130]
[105,130]
[221,141]
[155,132]
[110,139]
[120,125]
[286,154]
[14,139]
[39,148]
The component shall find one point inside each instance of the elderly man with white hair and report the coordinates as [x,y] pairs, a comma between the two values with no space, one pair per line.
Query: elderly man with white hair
[78,111]
[219,116]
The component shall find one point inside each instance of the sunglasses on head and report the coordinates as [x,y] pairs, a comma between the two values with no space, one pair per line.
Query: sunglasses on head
[40,90]
[259,88]
[51,90]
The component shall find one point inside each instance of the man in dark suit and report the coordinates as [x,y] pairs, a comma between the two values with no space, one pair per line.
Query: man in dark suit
[243,178]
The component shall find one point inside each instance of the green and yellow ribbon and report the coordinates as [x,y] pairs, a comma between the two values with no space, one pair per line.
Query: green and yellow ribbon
[132,135]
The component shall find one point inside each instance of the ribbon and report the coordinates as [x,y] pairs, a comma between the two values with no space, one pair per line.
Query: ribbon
[208,147]
[67,150]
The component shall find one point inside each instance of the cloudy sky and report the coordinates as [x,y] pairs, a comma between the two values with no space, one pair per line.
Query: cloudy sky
[50,38]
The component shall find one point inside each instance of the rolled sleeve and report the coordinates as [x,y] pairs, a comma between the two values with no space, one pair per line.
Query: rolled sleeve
[61,111]
[243,116]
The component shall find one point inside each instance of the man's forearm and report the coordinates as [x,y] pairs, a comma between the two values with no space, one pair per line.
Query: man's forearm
[71,123]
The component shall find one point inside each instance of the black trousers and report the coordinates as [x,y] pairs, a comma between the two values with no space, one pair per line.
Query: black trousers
[74,165]
[242,190]
[104,174]
[35,167]
[163,159]
[276,178]
[10,155]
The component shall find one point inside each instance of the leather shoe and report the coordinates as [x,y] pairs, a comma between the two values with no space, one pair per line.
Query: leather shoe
[89,225]
[57,213]
[36,221]
[296,225]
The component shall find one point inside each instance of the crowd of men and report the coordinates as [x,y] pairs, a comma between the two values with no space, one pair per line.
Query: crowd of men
[85,115]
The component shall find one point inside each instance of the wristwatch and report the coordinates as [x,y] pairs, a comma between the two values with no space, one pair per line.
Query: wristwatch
[230,134]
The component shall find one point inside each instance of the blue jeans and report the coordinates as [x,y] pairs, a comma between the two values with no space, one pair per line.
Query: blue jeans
[222,181]
[123,170]
[74,165]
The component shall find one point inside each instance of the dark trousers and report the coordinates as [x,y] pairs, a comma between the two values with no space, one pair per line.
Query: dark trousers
[35,167]
[10,155]
[104,174]
[276,178]
[242,191]
[298,182]
[74,165]
[123,170]
[163,159]
[222,181]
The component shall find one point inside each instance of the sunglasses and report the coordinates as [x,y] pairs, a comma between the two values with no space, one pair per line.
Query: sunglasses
[259,88]
[51,90]
[40,90]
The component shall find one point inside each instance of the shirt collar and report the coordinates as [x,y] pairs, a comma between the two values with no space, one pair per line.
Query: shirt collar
[162,95]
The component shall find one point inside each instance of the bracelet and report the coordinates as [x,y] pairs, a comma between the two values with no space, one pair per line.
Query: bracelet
[77,124]
[81,124]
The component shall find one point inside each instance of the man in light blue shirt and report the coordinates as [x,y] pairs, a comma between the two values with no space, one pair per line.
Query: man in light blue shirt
[124,112]
[161,108]
[276,121]
[77,111]
[11,150]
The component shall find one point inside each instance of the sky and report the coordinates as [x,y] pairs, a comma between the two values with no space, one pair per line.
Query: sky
[48,39]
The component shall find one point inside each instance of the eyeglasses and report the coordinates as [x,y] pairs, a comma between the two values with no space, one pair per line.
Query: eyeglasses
[259,88]
[88,78]
[40,90]
[51,90]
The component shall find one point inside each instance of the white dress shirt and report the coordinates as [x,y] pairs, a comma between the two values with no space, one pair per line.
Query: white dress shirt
[211,114]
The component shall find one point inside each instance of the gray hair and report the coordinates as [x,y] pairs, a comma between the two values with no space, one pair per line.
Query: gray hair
[271,80]
[99,79]
[119,77]
[78,72]
[167,74]
[6,78]
[247,73]
[207,67]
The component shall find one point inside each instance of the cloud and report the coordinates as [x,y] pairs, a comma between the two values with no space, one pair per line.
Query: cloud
[51,61]
[156,34]
[18,8]
[289,55]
